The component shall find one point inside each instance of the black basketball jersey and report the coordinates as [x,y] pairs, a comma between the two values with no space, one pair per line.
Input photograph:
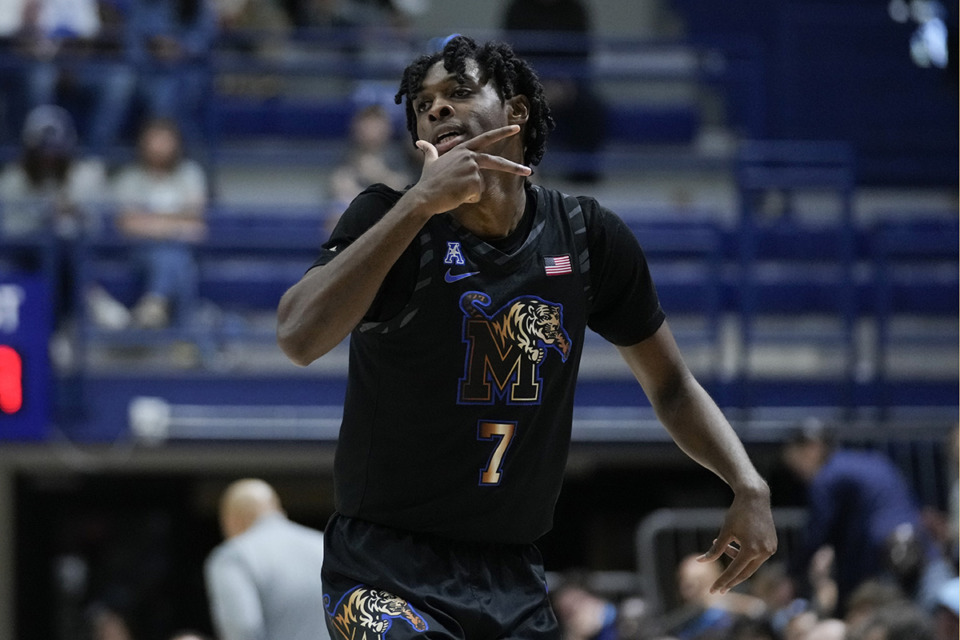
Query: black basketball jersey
[461,383]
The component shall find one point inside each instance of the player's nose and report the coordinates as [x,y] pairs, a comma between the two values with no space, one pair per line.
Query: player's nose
[440,111]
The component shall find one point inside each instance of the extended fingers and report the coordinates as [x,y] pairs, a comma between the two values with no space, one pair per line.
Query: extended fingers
[499,163]
[489,137]
[738,571]
[745,563]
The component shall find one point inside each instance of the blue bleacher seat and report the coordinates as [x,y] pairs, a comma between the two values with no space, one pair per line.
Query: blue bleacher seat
[796,279]
[247,262]
[916,279]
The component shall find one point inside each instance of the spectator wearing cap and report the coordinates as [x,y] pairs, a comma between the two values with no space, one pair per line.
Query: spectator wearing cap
[48,189]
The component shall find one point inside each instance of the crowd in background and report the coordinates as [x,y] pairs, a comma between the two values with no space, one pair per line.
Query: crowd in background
[103,102]
[872,565]
[87,84]
[147,93]
[794,596]
[149,54]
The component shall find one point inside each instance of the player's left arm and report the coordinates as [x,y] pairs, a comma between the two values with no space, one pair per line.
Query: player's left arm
[700,429]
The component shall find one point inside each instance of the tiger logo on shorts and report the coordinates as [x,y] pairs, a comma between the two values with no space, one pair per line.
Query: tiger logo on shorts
[367,614]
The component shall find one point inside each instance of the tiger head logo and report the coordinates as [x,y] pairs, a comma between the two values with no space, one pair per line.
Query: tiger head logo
[539,323]
[530,323]
[366,614]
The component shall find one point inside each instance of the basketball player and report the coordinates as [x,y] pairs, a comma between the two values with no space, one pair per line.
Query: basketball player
[466,297]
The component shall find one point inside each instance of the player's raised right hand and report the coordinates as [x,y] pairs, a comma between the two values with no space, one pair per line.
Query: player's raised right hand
[456,177]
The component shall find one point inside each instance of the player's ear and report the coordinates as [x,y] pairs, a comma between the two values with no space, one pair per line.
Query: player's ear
[518,109]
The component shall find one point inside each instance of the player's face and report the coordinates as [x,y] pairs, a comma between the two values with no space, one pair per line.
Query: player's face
[450,112]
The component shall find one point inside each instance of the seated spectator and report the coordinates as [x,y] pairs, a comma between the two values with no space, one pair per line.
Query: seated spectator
[703,615]
[752,629]
[189,635]
[946,618]
[256,26]
[50,191]
[161,201]
[584,615]
[904,621]
[75,60]
[169,42]
[372,156]
[872,596]
[773,585]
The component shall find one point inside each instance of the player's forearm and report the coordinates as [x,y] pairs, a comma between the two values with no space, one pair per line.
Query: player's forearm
[318,312]
[692,418]
[700,429]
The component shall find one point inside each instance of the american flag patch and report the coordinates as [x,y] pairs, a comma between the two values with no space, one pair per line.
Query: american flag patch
[557,265]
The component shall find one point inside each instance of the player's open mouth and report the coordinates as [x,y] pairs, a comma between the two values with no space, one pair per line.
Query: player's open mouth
[447,140]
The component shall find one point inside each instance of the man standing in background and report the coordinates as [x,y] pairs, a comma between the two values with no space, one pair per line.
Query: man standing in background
[263,581]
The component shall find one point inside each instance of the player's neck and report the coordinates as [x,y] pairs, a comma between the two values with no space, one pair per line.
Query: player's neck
[498,213]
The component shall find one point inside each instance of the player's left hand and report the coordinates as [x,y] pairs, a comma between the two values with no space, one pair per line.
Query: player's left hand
[748,536]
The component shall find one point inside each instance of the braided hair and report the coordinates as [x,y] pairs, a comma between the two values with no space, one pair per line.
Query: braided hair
[496,61]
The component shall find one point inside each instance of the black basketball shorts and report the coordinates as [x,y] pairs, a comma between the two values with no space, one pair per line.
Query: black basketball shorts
[381,583]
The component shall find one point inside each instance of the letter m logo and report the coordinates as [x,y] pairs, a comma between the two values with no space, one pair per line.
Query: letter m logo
[496,369]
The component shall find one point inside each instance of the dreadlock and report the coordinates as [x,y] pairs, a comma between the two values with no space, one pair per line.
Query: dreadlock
[496,61]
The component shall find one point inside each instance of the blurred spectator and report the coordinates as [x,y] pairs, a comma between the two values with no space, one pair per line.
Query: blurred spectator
[75,59]
[319,13]
[869,597]
[106,624]
[703,615]
[170,41]
[752,629]
[373,156]
[857,501]
[773,585]
[953,507]
[49,191]
[161,201]
[134,574]
[904,621]
[584,615]
[829,629]
[257,26]
[263,581]
[944,524]
[189,635]
[579,111]
[947,612]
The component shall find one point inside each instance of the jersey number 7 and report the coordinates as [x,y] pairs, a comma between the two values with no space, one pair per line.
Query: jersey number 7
[502,434]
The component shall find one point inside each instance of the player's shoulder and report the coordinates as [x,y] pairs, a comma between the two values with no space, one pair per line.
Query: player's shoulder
[596,217]
[367,208]
[379,193]
[555,197]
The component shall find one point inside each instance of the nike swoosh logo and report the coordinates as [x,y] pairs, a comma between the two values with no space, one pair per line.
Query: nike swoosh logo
[453,277]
